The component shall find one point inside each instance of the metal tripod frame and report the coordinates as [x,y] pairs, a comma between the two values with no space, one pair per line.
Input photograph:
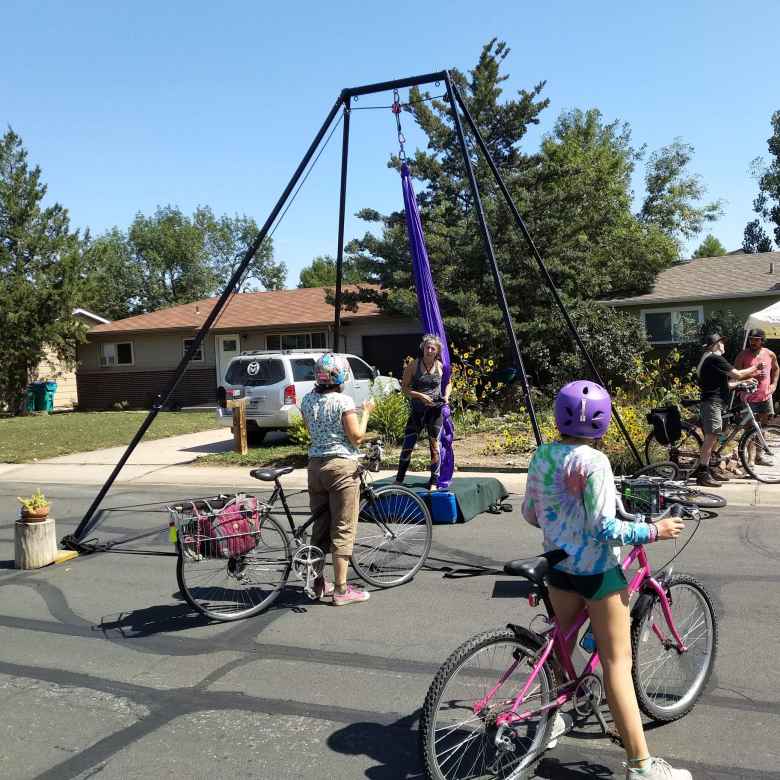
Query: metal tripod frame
[90,520]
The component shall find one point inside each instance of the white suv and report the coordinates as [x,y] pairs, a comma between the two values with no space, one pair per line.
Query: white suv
[274,383]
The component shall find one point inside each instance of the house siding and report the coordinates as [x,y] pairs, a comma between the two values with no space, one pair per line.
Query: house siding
[741,307]
[156,356]
[102,389]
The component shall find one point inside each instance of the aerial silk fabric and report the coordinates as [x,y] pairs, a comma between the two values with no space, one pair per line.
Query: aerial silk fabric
[430,316]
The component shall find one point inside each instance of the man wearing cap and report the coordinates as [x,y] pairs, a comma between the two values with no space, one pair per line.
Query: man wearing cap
[761,400]
[714,373]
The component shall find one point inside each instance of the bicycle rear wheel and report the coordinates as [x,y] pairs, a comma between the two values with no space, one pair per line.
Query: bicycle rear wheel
[669,683]
[684,452]
[227,589]
[688,496]
[664,469]
[393,536]
[765,466]
[458,721]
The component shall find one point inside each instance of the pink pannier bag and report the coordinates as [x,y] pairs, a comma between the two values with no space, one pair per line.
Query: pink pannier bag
[220,527]
[235,529]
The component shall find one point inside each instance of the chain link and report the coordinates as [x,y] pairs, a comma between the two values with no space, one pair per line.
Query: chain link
[396,108]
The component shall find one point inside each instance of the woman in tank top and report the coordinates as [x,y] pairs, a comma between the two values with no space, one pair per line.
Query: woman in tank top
[422,385]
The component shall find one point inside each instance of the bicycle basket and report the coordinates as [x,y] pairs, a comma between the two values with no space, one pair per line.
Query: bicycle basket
[219,527]
[640,496]
[667,424]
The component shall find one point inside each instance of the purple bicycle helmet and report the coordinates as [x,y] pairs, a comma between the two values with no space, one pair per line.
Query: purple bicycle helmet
[583,408]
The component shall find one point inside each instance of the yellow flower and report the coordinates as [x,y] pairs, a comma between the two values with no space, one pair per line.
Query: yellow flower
[478,361]
[490,363]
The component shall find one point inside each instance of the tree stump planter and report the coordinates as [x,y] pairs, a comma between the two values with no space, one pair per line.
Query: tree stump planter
[35,543]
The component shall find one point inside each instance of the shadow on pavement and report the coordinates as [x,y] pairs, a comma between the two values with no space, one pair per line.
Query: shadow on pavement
[393,746]
[554,769]
[151,620]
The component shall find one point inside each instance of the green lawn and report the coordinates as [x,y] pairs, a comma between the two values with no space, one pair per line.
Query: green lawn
[23,439]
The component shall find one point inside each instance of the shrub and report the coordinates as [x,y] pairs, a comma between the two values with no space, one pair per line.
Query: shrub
[389,417]
[297,432]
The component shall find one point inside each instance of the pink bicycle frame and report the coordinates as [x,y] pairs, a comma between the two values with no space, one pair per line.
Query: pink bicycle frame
[558,643]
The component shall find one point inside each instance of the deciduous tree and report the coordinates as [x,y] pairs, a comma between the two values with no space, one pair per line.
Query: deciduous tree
[767,202]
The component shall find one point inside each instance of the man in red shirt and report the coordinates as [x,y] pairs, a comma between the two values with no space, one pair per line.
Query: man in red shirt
[761,400]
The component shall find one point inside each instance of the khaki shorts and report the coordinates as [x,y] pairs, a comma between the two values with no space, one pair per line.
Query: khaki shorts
[334,483]
[711,412]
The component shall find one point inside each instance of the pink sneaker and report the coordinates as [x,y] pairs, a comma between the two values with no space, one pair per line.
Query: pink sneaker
[322,588]
[351,596]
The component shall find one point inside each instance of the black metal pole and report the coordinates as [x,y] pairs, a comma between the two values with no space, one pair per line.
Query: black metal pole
[542,267]
[342,207]
[85,526]
[486,239]
[386,86]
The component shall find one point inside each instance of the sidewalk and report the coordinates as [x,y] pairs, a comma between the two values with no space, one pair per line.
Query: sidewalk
[171,462]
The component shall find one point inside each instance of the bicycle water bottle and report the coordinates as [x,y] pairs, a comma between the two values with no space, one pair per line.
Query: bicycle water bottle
[588,642]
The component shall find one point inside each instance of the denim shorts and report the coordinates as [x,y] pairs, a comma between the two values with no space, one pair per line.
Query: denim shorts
[763,407]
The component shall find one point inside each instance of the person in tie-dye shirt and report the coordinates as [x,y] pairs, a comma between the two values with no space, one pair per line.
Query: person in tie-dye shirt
[570,496]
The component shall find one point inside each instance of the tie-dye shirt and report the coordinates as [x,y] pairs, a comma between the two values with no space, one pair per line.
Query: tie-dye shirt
[570,495]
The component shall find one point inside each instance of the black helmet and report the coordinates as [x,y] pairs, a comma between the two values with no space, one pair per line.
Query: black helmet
[757,333]
[711,339]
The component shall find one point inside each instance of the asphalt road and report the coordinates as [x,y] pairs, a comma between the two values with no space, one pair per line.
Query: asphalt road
[104,670]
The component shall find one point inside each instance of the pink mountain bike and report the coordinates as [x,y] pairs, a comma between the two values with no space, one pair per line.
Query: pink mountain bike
[490,709]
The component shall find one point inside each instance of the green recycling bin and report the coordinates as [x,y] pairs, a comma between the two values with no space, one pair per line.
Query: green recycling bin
[49,389]
[29,403]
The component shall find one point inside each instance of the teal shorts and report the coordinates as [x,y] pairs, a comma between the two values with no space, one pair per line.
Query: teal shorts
[590,586]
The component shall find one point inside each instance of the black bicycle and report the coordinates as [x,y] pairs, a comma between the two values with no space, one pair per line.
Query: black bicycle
[234,556]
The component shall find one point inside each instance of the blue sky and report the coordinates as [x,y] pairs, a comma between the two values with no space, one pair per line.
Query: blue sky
[125,108]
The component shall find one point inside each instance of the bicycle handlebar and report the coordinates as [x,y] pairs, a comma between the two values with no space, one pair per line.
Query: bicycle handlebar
[675,510]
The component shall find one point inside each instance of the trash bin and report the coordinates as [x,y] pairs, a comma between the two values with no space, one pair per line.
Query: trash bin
[29,403]
[39,394]
[50,388]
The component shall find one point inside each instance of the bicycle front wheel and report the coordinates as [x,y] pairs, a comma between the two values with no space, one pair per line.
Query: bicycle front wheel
[684,452]
[227,589]
[669,682]
[762,463]
[393,538]
[475,685]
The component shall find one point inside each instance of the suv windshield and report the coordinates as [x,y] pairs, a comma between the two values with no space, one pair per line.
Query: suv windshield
[303,370]
[255,373]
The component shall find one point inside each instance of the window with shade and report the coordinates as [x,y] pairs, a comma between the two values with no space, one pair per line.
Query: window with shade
[315,340]
[672,326]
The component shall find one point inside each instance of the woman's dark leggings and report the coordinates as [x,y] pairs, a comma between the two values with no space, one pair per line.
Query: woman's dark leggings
[430,418]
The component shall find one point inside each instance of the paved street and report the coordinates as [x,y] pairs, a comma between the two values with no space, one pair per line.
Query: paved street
[105,671]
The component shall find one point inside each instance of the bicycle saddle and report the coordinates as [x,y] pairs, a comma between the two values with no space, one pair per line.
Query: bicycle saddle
[535,569]
[270,474]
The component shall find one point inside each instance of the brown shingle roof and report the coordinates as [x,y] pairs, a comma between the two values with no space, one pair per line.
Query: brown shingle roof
[273,308]
[729,276]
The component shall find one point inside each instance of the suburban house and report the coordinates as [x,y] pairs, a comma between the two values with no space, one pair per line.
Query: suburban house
[690,291]
[132,360]
[53,369]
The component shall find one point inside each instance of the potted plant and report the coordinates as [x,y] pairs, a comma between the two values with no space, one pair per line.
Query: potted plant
[35,508]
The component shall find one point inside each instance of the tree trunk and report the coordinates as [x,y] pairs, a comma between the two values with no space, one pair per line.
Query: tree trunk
[35,544]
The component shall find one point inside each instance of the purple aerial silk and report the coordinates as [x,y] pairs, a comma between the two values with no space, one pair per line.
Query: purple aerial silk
[429,315]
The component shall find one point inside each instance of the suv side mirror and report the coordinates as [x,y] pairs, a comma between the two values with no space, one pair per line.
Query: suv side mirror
[375,371]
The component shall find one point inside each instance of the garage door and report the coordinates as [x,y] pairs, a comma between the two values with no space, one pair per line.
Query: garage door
[387,353]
